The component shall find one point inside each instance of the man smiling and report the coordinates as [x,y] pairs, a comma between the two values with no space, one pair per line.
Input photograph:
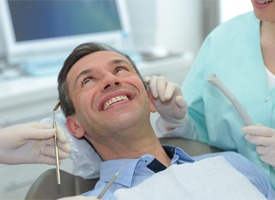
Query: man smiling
[105,101]
[95,81]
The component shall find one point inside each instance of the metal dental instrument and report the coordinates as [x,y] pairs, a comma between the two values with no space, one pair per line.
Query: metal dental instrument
[110,182]
[107,186]
[56,146]
[214,80]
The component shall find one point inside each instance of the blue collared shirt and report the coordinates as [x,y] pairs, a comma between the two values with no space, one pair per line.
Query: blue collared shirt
[134,171]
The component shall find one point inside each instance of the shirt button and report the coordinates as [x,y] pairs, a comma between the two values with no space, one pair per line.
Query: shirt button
[266,99]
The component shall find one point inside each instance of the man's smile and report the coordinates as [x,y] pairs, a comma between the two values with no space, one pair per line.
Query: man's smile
[115,97]
[114,100]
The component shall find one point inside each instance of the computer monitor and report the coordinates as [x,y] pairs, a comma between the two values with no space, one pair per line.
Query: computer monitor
[33,28]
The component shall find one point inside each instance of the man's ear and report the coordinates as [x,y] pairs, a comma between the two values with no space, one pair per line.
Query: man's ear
[74,127]
[151,100]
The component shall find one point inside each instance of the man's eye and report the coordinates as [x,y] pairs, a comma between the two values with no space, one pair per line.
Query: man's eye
[86,81]
[118,69]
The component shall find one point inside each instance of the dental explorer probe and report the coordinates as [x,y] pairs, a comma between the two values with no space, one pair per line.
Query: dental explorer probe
[58,179]
[214,80]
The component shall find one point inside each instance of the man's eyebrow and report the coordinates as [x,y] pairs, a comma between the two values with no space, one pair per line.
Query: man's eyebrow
[87,71]
[118,61]
[83,73]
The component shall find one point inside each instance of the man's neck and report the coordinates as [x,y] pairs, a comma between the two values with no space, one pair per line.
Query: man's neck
[133,145]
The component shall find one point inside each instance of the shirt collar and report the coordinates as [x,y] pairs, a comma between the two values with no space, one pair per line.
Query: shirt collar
[127,167]
[177,155]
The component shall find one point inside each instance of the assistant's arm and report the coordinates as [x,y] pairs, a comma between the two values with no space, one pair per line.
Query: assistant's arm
[171,105]
[190,120]
[31,143]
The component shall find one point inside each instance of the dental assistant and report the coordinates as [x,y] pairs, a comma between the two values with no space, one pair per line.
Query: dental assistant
[241,52]
[31,143]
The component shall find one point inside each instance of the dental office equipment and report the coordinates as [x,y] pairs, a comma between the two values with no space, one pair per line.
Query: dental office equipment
[56,146]
[214,80]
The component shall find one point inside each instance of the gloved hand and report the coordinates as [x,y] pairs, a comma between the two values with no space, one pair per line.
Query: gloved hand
[79,198]
[264,138]
[168,100]
[31,143]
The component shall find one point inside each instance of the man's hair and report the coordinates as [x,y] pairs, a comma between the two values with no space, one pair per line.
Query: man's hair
[78,53]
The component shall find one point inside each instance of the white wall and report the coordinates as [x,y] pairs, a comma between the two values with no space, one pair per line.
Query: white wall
[142,14]
[173,24]
[178,24]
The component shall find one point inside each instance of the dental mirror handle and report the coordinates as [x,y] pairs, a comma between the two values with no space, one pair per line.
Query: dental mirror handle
[214,80]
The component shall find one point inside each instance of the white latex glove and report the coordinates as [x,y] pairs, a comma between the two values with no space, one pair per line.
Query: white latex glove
[31,143]
[168,100]
[79,198]
[264,138]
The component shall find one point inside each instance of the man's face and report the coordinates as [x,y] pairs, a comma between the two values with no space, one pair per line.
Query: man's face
[107,93]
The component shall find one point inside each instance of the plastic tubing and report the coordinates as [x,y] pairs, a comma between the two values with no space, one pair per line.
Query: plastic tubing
[214,80]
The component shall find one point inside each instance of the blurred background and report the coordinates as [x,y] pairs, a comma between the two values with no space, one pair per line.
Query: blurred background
[163,37]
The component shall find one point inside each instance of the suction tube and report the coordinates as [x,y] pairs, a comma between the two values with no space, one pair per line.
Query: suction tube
[214,80]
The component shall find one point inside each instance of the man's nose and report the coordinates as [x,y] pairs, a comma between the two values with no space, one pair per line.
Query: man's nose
[110,80]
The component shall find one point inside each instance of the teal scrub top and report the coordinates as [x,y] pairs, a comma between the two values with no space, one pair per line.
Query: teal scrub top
[232,51]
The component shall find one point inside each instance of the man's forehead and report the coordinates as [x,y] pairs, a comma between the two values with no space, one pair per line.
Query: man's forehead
[96,59]
[100,57]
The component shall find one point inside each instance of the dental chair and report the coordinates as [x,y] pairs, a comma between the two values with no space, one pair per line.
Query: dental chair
[45,187]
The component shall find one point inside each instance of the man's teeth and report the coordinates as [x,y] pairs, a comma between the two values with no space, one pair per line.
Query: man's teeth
[114,100]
